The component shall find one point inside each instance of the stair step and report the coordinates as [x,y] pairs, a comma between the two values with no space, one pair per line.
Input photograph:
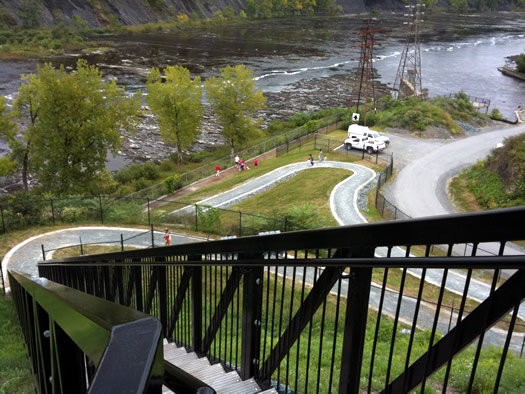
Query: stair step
[269,391]
[214,371]
[199,364]
[225,381]
[174,351]
[179,360]
[247,386]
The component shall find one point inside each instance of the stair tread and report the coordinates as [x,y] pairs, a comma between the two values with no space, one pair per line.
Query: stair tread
[224,381]
[246,386]
[196,365]
[213,371]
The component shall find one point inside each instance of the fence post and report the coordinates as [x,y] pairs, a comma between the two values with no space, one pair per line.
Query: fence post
[149,215]
[395,212]
[43,253]
[121,242]
[363,156]
[383,210]
[378,186]
[286,223]
[315,141]
[81,248]
[377,155]
[196,218]
[522,345]
[3,282]
[101,212]
[52,211]
[152,237]
[3,222]
[240,224]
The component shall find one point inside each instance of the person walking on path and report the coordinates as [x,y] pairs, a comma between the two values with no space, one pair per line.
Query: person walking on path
[255,162]
[218,169]
[311,159]
[167,237]
[320,155]
[237,161]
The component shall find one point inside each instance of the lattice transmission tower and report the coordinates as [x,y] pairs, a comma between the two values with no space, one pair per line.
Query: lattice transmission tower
[364,82]
[408,77]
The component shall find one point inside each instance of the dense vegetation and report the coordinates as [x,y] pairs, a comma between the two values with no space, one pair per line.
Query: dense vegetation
[520,63]
[499,181]
[416,115]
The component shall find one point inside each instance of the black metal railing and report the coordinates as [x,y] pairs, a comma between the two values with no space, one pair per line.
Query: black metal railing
[79,343]
[299,311]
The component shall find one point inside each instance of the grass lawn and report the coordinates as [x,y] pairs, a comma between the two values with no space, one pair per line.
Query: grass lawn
[462,198]
[15,370]
[308,187]
[265,166]
[88,249]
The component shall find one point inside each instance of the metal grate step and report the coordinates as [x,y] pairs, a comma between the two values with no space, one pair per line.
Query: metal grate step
[213,375]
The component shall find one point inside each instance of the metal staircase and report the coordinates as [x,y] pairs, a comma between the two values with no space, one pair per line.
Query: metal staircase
[213,375]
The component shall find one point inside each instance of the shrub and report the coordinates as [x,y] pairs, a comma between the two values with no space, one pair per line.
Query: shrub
[304,217]
[208,219]
[172,183]
[74,215]
[495,114]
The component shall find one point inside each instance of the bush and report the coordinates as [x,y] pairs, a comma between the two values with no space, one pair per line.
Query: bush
[137,171]
[74,215]
[304,217]
[208,219]
[495,114]
[172,183]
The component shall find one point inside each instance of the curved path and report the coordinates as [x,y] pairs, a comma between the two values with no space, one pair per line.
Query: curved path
[343,204]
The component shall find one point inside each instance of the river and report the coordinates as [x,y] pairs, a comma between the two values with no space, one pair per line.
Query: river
[293,57]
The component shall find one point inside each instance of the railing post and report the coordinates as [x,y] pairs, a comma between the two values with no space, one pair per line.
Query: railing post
[251,321]
[81,249]
[43,253]
[101,211]
[355,322]
[196,306]
[121,242]
[377,189]
[363,156]
[52,211]
[163,298]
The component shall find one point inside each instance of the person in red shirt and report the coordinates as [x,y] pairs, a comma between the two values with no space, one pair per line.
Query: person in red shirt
[218,169]
[255,162]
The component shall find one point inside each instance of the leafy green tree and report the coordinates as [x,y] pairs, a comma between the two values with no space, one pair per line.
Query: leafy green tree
[264,8]
[251,8]
[8,132]
[234,99]
[75,120]
[177,104]
[228,12]
[520,62]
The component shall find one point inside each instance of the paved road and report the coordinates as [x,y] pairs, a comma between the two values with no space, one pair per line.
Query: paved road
[420,187]
[26,255]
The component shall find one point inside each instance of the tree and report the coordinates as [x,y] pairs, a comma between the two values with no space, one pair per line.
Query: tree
[75,119]
[235,101]
[177,104]
[8,131]
[520,63]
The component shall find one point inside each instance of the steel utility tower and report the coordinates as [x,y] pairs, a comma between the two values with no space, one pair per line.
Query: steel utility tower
[365,72]
[408,77]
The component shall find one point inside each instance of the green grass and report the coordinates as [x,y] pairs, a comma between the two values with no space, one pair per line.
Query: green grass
[313,187]
[88,249]
[15,370]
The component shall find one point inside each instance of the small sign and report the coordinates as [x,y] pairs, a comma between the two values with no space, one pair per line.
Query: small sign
[355,117]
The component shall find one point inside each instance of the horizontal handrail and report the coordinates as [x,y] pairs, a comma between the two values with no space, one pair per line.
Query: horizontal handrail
[88,325]
[487,226]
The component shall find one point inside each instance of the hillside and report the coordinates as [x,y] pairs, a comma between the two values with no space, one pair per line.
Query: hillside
[101,13]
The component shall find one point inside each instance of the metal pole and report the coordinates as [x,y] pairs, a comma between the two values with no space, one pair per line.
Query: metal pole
[522,345]
[121,242]
[101,212]
[450,320]
[395,212]
[377,189]
[81,248]
[377,156]
[363,156]
[149,215]
[152,237]
[286,223]
[3,282]
[43,253]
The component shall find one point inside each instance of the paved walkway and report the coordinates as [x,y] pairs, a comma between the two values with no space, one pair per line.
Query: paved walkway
[343,202]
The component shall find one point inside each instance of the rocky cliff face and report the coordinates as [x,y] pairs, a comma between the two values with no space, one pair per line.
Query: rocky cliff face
[132,12]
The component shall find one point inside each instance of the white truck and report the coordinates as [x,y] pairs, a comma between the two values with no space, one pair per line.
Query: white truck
[361,137]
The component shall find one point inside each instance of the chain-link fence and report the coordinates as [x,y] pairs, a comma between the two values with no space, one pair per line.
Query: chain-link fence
[275,143]
[138,211]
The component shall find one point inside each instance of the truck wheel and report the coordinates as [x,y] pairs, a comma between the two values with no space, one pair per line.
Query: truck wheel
[369,150]
[348,146]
